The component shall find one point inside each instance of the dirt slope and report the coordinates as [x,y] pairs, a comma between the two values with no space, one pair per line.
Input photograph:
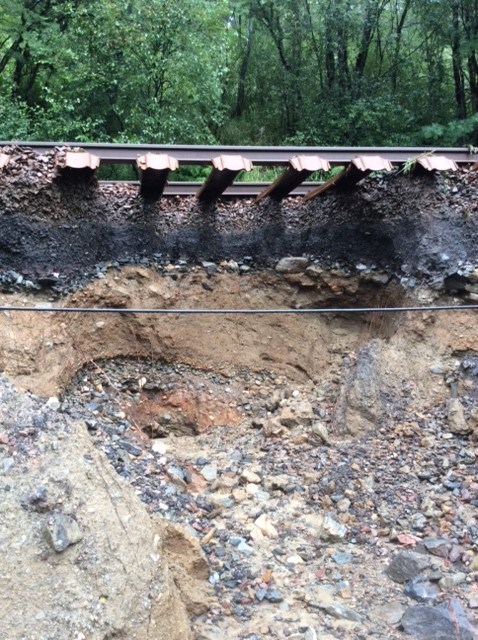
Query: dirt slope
[81,558]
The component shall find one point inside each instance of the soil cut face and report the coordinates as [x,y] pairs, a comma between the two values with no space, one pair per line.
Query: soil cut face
[41,352]
[239,430]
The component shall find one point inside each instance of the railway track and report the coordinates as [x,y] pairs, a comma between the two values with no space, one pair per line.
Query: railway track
[155,163]
[237,190]
[110,153]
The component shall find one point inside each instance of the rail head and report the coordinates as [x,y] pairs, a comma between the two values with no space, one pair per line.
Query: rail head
[110,153]
[155,162]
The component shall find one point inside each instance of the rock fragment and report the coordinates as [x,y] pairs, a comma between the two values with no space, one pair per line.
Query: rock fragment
[7,464]
[248,476]
[320,429]
[449,582]
[292,265]
[422,590]
[53,403]
[343,612]
[245,548]
[437,546]
[331,530]
[297,414]
[447,621]
[62,531]
[342,557]
[456,418]
[271,595]
[405,566]
[360,408]
[391,612]
[209,472]
[266,527]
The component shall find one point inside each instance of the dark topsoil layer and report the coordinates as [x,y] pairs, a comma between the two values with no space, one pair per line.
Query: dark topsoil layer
[422,226]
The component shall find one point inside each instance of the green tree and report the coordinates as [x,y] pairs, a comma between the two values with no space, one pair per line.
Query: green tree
[240,71]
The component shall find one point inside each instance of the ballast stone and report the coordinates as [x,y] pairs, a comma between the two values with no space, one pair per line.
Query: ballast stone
[292,265]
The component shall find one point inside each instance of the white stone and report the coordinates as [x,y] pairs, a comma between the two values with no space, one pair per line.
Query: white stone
[264,524]
[250,477]
[159,447]
[209,472]
[53,403]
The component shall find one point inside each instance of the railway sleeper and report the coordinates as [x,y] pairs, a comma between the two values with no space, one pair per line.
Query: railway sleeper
[155,169]
[225,170]
[299,169]
[359,168]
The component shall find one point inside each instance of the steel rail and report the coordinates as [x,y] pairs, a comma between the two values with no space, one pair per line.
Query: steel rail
[237,190]
[229,312]
[110,153]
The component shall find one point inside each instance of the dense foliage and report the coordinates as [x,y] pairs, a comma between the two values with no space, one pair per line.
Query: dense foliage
[240,71]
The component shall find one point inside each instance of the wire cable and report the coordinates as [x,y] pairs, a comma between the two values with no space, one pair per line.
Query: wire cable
[229,312]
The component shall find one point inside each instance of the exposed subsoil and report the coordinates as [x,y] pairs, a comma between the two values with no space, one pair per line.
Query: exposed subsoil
[326,464]
[218,423]
[81,558]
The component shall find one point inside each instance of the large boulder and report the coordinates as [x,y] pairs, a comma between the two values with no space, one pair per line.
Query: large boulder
[81,557]
[360,406]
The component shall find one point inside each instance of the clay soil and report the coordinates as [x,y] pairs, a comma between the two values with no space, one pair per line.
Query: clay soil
[41,352]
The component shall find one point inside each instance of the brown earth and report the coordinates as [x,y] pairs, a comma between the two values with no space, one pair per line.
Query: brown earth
[41,352]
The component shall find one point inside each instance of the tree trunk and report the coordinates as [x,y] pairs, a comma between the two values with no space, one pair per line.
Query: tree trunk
[9,54]
[398,43]
[458,79]
[330,67]
[367,35]
[240,95]
[290,56]
[469,18]
[342,57]
[473,80]
[315,43]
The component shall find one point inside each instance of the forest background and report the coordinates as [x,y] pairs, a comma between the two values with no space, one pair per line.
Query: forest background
[305,72]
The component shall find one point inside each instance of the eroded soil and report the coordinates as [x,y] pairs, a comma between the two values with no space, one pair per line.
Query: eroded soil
[214,422]
[41,352]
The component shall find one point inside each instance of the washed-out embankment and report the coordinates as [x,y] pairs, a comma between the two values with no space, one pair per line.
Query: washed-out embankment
[391,241]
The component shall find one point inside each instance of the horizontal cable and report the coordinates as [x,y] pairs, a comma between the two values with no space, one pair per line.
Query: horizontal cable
[229,312]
